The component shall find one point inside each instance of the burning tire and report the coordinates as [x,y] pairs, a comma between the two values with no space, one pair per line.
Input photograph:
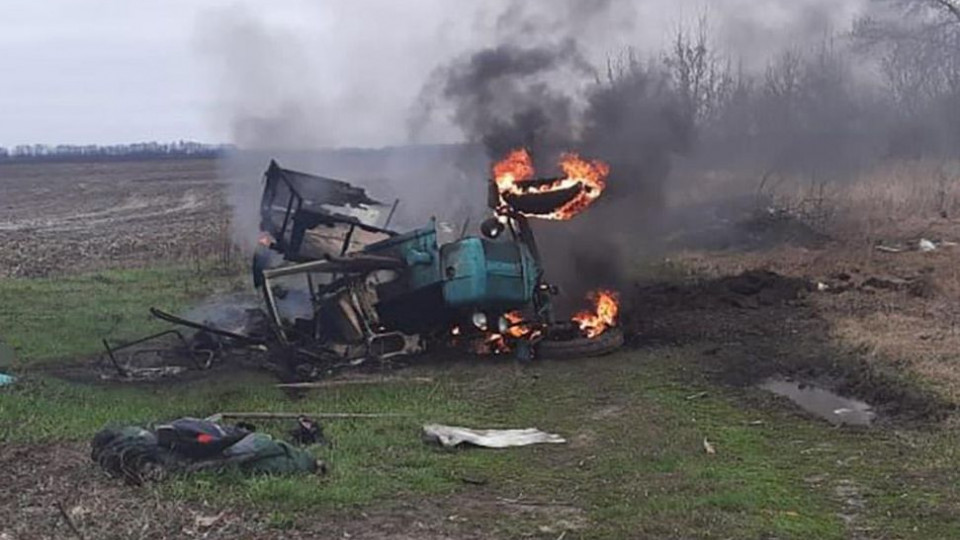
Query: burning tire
[581,347]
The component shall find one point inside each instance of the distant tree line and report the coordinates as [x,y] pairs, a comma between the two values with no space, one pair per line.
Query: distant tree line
[153,149]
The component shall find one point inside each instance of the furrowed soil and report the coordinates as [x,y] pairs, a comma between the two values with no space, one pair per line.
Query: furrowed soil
[69,217]
[669,438]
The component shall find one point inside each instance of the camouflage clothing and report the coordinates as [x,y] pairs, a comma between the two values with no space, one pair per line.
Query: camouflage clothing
[138,454]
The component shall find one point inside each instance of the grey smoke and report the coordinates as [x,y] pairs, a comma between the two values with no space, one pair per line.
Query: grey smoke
[589,76]
[264,81]
[756,32]
[277,102]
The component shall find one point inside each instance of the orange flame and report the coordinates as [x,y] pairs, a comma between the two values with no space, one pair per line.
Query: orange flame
[589,176]
[496,343]
[606,308]
[516,329]
[516,167]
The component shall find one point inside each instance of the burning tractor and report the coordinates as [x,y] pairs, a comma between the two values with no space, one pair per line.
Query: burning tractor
[367,292]
[339,289]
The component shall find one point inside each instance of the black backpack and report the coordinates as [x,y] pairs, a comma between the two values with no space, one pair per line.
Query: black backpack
[198,439]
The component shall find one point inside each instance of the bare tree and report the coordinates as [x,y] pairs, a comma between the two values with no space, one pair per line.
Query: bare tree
[701,76]
[951,8]
[918,45]
[928,22]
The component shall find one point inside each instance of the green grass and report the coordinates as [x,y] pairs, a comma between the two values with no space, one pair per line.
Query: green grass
[52,318]
[635,464]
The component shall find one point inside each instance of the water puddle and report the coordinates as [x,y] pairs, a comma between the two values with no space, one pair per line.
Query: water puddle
[833,408]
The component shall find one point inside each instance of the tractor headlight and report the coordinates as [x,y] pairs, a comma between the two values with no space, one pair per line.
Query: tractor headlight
[492,228]
[480,320]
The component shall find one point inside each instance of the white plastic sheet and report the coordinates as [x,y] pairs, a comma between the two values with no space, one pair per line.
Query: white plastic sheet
[450,436]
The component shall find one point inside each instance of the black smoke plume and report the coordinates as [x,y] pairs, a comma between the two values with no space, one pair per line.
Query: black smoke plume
[547,98]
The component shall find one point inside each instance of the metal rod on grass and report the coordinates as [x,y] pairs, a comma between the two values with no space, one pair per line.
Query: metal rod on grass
[285,416]
[355,382]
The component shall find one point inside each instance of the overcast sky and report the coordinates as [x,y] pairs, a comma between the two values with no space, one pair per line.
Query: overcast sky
[116,71]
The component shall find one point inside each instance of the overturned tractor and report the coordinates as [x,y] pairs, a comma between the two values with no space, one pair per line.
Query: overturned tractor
[340,288]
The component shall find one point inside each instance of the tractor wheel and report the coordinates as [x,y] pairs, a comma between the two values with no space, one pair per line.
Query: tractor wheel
[581,347]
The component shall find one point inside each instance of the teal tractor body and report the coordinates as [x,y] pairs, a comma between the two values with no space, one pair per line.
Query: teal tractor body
[444,284]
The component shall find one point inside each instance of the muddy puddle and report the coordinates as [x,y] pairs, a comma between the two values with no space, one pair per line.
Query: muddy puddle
[828,405]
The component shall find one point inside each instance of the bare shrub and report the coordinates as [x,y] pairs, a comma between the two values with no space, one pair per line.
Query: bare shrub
[700,75]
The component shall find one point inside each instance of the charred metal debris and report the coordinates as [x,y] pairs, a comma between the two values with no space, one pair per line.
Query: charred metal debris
[339,288]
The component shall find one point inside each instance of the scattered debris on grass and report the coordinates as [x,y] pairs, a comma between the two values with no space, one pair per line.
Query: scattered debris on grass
[450,437]
[7,359]
[708,447]
[145,374]
[307,431]
[926,246]
[922,245]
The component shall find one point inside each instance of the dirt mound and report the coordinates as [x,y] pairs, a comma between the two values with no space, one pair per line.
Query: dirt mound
[757,288]
[750,290]
[770,228]
[724,310]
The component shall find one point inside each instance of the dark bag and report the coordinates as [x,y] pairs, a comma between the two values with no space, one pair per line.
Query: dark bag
[130,453]
[198,439]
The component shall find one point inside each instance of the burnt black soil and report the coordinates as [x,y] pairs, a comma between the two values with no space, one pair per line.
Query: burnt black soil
[97,370]
[760,324]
